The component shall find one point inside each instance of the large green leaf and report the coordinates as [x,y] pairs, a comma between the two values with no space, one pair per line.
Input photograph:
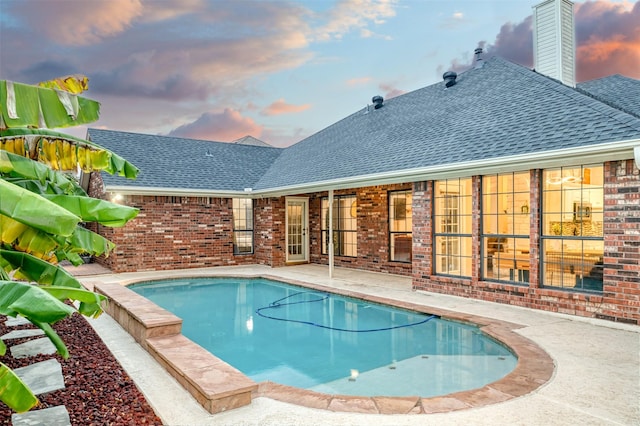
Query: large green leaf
[26,239]
[95,210]
[54,247]
[53,336]
[37,186]
[16,166]
[32,302]
[31,101]
[33,210]
[90,302]
[30,268]
[14,392]
[26,104]
[115,164]
[36,270]
[85,241]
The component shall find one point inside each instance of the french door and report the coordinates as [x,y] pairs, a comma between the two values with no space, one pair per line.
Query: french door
[297,229]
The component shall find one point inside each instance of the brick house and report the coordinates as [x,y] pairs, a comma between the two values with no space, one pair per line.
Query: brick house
[501,183]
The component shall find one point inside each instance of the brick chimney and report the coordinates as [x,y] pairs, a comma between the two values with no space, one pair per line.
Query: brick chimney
[554,40]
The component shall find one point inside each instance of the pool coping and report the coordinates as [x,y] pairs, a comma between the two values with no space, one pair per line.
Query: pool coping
[218,386]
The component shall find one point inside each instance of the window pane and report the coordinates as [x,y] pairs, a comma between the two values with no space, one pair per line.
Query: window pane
[242,225]
[453,207]
[573,246]
[242,214]
[505,264]
[400,224]
[453,256]
[505,235]
[242,242]
[344,225]
[401,247]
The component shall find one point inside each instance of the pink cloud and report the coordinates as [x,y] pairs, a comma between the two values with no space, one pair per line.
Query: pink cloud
[224,126]
[358,81]
[176,50]
[281,107]
[607,41]
[348,15]
[390,91]
[80,22]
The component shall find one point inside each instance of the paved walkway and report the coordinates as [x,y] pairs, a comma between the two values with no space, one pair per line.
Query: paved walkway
[41,377]
[597,379]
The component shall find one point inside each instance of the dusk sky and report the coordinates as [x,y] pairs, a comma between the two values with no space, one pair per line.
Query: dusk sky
[279,70]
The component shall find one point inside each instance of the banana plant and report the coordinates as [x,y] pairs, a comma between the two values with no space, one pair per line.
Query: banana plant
[43,210]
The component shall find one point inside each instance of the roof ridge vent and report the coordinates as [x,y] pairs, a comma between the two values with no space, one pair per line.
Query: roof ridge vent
[377,101]
[449,78]
[479,61]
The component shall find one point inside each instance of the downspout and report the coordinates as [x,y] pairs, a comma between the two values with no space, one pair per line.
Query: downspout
[330,233]
[636,155]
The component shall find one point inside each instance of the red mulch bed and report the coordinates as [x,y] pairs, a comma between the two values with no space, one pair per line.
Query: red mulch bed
[98,391]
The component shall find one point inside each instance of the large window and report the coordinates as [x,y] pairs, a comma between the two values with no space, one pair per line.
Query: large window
[572,237]
[452,225]
[242,226]
[345,232]
[505,227]
[400,239]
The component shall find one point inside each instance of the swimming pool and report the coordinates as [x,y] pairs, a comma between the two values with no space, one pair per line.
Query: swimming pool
[329,343]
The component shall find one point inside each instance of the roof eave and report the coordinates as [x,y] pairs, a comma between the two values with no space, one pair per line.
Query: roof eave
[614,151]
[173,192]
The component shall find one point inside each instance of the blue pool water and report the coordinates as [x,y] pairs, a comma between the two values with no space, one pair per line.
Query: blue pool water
[329,343]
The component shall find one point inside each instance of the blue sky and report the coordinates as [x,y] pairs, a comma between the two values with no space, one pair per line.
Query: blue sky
[276,70]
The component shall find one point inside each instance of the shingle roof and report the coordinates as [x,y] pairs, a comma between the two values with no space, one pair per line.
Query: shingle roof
[501,109]
[169,162]
[496,111]
[250,140]
[616,90]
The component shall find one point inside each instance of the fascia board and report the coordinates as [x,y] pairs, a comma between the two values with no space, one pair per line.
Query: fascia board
[614,151]
[172,192]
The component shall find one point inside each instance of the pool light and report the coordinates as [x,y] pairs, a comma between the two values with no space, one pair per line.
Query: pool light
[354,375]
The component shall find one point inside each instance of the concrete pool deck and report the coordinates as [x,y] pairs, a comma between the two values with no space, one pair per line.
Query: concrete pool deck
[596,380]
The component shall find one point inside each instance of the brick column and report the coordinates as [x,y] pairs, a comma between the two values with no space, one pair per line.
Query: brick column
[621,242]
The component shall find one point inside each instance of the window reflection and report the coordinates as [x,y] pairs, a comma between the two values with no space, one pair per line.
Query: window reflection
[506,225]
[572,219]
[452,224]
[242,226]
[345,221]
[400,223]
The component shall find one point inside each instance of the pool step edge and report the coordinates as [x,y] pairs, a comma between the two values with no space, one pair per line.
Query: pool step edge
[216,385]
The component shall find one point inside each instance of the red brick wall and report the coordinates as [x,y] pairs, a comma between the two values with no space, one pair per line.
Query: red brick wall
[172,233]
[373,231]
[175,233]
[620,300]
[188,232]
[621,242]
[269,231]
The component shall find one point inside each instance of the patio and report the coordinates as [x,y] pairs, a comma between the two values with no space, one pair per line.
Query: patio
[597,379]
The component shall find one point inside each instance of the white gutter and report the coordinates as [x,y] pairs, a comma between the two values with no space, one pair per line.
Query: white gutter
[613,151]
[172,192]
